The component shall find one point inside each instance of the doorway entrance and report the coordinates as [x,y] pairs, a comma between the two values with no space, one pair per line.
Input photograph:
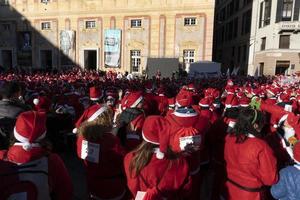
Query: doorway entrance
[7,59]
[46,59]
[90,59]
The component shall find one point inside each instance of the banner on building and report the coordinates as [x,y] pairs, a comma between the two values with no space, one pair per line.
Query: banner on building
[24,51]
[67,46]
[112,47]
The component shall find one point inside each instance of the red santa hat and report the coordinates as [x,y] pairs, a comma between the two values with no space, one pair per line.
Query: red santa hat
[191,87]
[244,101]
[230,91]
[149,87]
[284,97]
[184,98]
[133,99]
[296,151]
[273,91]
[232,102]
[230,82]
[95,93]
[205,102]
[171,102]
[153,132]
[30,128]
[93,113]
[42,103]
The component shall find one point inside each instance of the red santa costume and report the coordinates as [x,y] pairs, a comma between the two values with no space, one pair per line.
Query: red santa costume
[250,165]
[95,95]
[131,121]
[281,140]
[162,177]
[102,154]
[28,153]
[184,121]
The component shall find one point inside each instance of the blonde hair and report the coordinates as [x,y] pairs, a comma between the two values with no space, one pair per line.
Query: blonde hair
[93,131]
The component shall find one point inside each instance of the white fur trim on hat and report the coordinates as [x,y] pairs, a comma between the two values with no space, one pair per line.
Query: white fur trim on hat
[22,139]
[147,140]
[137,102]
[203,105]
[97,113]
[94,99]
[36,101]
[244,105]
[178,114]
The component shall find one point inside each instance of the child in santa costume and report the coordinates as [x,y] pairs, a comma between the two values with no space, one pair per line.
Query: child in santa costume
[250,162]
[37,164]
[153,172]
[102,154]
[287,187]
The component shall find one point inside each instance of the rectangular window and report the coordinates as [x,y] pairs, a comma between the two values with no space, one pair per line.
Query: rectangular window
[245,53]
[235,27]
[261,69]
[4,2]
[267,15]
[46,25]
[287,10]
[189,55]
[45,1]
[190,21]
[246,22]
[263,44]
[6,27]
[239,54]
[90,24]
[135,56]
[284,42]
[261,10]
[136,23]
[282,67]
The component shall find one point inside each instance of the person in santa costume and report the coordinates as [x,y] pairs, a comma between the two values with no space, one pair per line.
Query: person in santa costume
[287,131]
[186,120]
[131,120]
[153,172]
[102,154]
[95,97]
[31,152]
[250,163]
[287,187]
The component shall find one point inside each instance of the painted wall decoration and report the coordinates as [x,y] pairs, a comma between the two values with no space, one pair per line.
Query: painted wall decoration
[112,47]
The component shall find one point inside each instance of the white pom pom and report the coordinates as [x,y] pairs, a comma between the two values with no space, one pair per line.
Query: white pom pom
[160,155]
[74,130]
[36,101]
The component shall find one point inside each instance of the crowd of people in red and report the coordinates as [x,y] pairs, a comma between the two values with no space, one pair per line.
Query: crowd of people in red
[150,139]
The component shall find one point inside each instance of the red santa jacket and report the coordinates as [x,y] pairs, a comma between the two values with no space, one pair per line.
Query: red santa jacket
[103,161]
[57,172]
[177,123]
[160,179]
[250,164]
